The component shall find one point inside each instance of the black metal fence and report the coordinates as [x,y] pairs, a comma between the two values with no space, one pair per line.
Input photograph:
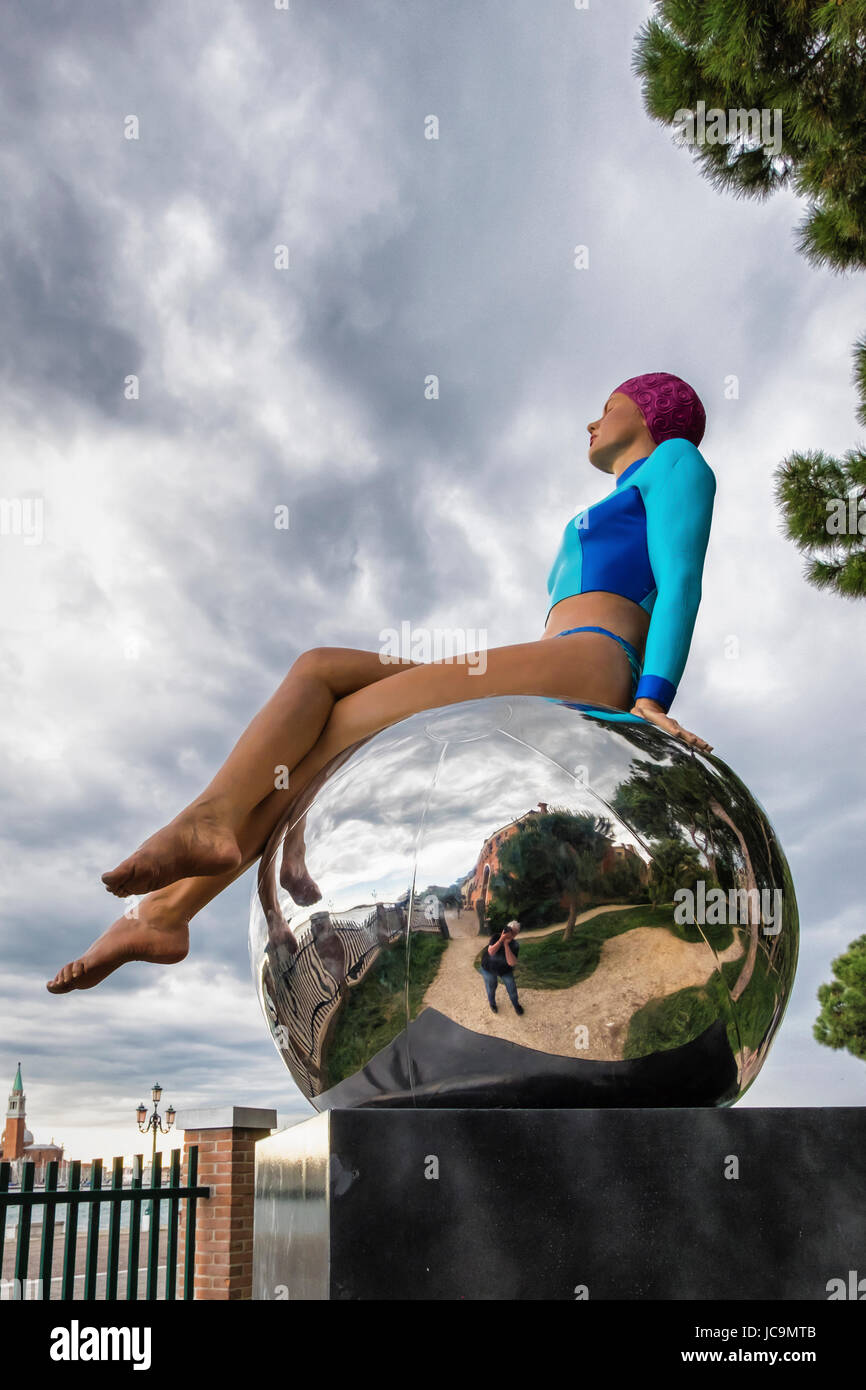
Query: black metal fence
[93,1198]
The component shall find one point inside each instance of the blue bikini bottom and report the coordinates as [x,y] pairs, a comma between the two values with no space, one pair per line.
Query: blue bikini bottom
[633,658]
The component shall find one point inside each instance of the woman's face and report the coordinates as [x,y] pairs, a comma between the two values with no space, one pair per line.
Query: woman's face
[620,427]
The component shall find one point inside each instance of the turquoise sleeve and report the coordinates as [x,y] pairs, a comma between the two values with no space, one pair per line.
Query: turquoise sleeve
[678,497]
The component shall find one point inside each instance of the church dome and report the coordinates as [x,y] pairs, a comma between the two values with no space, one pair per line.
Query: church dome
[28,1138]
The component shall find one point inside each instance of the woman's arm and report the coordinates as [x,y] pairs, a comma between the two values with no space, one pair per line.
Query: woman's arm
[678,497]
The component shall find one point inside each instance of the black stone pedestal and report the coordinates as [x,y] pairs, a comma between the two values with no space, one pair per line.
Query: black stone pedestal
[563,1204]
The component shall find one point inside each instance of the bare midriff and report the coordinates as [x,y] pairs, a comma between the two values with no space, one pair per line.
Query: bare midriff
[597,608]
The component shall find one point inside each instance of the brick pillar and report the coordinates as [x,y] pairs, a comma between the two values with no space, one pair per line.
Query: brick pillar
[226,1138]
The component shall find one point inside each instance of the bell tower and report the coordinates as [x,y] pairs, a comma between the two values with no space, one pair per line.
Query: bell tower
[12,1143]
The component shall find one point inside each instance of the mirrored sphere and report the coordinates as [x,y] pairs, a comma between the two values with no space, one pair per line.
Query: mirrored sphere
[657,929]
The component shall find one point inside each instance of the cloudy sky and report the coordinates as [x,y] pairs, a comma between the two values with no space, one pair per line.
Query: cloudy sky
[161,606]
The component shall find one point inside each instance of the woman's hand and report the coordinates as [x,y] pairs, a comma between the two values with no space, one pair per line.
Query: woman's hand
[652,712]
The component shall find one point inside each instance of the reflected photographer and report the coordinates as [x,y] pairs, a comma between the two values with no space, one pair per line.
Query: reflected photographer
[497,963]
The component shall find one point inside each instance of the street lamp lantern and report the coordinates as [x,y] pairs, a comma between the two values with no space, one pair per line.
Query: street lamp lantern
[154,1124]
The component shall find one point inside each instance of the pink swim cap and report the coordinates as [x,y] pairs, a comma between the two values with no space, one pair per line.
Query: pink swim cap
[671,408]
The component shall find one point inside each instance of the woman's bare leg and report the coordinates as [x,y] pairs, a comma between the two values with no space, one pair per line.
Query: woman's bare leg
[599,675]
[203,838]
[583,666]
[358,716]
[157,930]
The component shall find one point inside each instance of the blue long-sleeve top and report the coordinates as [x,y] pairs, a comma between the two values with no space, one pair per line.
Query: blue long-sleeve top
[647,540]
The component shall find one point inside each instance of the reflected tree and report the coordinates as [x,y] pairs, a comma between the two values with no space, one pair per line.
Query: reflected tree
[557,856]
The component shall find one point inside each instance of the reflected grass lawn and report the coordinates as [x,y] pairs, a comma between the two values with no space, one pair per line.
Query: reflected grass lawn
[549,962]
[373,1012]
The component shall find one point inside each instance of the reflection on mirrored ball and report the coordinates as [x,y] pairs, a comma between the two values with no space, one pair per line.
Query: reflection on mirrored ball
[657,937]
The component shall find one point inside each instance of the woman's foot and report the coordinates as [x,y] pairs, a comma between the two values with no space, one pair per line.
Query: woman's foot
[293,869]
[296,881]
[150,933]
[195,843]
[280,935]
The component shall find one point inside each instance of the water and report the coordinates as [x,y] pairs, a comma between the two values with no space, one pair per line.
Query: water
[61,1210]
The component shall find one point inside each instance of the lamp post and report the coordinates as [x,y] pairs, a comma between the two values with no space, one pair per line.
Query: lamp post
[154,1123]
